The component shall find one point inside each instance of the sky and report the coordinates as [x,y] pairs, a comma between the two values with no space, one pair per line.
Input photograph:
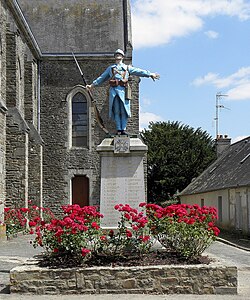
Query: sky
[200,48]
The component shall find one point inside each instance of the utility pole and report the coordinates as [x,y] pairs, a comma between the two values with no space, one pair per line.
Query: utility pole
[218,106]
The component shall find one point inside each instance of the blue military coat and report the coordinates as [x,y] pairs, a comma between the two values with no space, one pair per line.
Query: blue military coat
[118,73]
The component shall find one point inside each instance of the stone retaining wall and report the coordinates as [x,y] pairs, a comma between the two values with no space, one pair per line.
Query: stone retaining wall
[193,279]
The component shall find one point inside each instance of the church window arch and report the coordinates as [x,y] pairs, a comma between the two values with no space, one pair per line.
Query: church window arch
[79,118]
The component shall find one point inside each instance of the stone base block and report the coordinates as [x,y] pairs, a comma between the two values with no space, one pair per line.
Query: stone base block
[172,279]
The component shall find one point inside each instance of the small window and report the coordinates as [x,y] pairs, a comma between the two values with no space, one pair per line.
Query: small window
[79,120]
[202,202]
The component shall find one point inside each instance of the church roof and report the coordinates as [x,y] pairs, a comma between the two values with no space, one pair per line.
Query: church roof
[82,26]
[230,170]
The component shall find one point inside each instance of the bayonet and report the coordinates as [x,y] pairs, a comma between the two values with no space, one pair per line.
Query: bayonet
[98,116]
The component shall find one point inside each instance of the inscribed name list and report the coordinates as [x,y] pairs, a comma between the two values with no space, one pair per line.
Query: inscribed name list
[122,181]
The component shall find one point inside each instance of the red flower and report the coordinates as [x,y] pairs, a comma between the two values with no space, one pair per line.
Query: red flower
[74,231]
[32,223]
[111,233]
[85,251]
[24,209]
[103,238]
[144,238]
[56,250]
[128,233]
[117,206]
[216,231]
[127,216]
[95,225]
[135,227]
[191,221]
[6,209]
[59,232]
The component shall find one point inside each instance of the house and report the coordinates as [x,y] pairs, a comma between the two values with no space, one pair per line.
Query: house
[225,184]
[44,156]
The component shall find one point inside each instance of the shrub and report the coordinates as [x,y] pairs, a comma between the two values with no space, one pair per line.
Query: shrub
[17,219]
[75,235]
[186,229]
[78,234]
[132,237]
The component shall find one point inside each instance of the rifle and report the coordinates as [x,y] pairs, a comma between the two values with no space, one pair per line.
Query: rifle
[98,116]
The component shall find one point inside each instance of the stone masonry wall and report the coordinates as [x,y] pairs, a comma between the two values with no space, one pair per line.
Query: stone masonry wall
[2,162]
[35,142]
[23,144]
[30,99]
[11,70]
[58,78]
[3,16]
[16,164]
[172,279]
[35,168]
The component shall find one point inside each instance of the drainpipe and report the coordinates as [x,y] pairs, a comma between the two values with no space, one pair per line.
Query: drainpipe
[38,95]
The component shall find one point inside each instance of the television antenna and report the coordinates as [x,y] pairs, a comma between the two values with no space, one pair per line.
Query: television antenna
[219,95]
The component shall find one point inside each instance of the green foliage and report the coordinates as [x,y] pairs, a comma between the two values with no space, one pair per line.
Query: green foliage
[176,154]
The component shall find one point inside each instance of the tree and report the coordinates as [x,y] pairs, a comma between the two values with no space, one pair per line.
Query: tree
[177,153]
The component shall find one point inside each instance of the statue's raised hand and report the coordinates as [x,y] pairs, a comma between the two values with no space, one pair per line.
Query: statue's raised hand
[155,76]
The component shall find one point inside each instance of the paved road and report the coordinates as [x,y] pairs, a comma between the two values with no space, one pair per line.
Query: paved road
[16,251]
[237,257]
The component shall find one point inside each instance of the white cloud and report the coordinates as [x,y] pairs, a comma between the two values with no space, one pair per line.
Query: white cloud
[208,78]
[212,34]
[157,22]
[146,117]
[238,138]
[240,92]
[237,84]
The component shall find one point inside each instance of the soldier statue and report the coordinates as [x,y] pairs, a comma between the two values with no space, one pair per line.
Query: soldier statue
[119,100]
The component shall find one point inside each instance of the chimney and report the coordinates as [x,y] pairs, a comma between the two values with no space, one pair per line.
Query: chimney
[222,144]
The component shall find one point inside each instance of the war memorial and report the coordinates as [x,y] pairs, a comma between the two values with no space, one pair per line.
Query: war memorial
[72,137]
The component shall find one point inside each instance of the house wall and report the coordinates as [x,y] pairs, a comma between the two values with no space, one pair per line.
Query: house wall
[235,210]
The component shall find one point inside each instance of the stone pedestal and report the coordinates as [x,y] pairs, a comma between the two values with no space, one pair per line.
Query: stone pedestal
[122,176]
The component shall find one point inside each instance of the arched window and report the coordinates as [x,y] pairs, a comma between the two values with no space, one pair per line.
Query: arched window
[79,120]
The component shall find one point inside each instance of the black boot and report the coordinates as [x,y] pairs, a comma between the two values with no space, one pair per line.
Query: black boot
[124,132]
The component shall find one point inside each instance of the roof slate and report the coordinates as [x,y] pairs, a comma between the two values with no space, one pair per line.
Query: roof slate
[231,169]
[82,26]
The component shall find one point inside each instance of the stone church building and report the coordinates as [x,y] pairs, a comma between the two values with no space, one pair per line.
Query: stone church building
[48,127]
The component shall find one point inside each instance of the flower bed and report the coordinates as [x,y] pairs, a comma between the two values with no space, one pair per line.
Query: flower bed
[77,238]
[172,279]
[187,230]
